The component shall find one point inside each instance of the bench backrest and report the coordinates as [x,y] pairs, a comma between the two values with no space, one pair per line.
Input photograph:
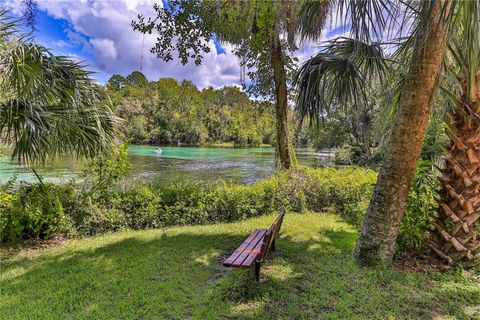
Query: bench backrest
[270,235]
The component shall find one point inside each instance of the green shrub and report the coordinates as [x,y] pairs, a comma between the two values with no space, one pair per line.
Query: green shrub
[31,211]
[421,208]
[345,191]
[105,171]
[41,211]
[343,156]
[141,208]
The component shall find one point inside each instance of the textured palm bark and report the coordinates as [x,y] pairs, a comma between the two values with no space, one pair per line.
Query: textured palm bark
[284,151]
[376,244]
[455,237]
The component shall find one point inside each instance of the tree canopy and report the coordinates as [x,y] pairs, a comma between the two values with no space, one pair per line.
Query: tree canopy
[171,112]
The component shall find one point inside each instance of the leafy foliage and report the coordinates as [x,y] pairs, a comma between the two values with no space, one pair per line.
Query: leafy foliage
[36,210]
[30,211]
[264,35]
[345,191]
[327,134]
[340,74]
[344,156]
[168,112]
[186,27]
[48,103]
[344,82]
[106,170]
[434,141]
[421,208]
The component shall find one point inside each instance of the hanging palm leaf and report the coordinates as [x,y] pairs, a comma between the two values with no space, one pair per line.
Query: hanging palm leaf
[48,104]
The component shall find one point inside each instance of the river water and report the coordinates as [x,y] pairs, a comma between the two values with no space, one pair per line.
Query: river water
[173,164]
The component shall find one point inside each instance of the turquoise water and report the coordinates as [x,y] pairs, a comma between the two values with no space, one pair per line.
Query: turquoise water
[173,164]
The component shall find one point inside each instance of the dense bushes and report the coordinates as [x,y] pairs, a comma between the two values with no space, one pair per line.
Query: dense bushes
[343,156]
[28,212]
[42,211]
[358,157]
[33,210]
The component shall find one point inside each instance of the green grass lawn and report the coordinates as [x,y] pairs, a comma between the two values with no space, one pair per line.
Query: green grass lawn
[177,274]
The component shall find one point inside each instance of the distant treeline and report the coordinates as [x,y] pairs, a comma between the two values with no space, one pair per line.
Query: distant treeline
[171,112]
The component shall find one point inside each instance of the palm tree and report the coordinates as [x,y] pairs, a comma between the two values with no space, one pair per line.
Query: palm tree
[376,244]
[48,103]
[346,76]
[454,237]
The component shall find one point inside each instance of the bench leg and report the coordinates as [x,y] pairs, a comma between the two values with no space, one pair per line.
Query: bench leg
[273,245]
[257,271]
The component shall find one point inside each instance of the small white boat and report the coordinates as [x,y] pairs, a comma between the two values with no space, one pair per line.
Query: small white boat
[158,151]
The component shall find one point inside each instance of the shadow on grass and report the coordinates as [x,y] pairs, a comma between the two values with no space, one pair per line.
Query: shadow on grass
[131,278]
[180,276]
[318,279]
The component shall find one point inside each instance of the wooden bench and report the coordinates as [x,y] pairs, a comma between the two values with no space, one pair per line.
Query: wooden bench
[254,249]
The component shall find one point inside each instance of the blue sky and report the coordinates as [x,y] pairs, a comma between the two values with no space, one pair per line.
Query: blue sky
[99,33]
[53,33]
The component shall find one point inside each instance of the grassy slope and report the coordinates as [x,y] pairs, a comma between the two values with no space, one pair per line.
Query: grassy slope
[177,274]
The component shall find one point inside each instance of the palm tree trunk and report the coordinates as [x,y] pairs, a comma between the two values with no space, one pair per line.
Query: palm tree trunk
[376,244]
[284,151]
[456,227]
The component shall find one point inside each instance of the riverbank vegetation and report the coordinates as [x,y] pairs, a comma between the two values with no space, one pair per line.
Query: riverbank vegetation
[171,112]
[96,205]
[168,112]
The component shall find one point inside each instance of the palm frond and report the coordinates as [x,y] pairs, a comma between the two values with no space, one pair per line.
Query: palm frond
[463,54]
[48,104]
[369,19]
[313,16]
[369,57]
[338,76]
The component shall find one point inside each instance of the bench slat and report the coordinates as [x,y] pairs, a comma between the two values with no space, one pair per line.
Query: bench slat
[238,263]
[252,257]
[270,236]
[243,246]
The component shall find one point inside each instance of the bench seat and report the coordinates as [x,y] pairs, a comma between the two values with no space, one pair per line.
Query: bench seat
[245,256]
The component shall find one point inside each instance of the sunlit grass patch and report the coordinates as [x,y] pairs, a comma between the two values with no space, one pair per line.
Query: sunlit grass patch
[177,273]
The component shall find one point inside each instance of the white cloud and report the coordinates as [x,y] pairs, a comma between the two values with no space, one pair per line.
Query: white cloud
[306,50]
[104,48]
[62,44]
[103,29]
[109,45]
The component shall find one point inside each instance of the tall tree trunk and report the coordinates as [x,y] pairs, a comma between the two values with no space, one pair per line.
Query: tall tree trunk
[365,135]
[376,244]
[456,228]
[285,157]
